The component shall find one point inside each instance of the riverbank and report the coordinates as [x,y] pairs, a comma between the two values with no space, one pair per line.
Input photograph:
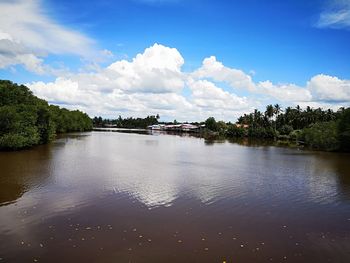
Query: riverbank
[27,121]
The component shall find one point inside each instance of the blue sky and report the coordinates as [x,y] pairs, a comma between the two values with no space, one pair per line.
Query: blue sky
[293,51]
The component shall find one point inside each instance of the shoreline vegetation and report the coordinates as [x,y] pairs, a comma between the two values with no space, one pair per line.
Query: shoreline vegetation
[318,129]
[26,121]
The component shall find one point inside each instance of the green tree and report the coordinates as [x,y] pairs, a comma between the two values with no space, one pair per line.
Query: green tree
[234,131]
[211,124]
[344,130]
[285,129]
[26,120]
[322,135]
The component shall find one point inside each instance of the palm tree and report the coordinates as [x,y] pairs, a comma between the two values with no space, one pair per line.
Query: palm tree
[269,114]
[277,110]
[269,111]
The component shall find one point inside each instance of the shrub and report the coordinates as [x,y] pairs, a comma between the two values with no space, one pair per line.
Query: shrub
[322,135]
[285,129]
[296,135]
[234,131]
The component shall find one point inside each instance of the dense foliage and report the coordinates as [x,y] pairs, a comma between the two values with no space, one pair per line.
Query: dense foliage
[321,135]
[317,128]
[26,120]
[127,123]
[344,130]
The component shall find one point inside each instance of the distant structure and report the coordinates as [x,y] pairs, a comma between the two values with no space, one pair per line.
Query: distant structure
[110,125]
[245,126]
[184,127]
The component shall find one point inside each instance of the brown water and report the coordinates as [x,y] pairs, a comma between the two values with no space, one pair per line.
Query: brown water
[119,197]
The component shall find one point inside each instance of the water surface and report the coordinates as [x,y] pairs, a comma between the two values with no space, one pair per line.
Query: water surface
[121,197]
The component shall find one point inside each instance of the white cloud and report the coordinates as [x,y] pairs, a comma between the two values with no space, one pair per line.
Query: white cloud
[337,15]
[27,24]
[63,91]
[284,92]
[210,100]
[211,68]
[27,34]
[323,105]
[157,70]
[12,53]
[206,94]
[150,83]
[153,83]
[329,89]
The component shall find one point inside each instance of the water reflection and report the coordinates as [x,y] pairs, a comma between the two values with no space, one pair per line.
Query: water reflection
[21,171]
[166,167]
[168,185]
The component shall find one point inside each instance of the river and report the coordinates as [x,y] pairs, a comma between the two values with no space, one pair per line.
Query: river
[127,197]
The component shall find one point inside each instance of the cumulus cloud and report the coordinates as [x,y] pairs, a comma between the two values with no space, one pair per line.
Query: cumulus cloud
[284,92]
[336,15]
[27,35]
[211,68]
[329,89]
[210,100]
[207,95]
[150,83]
[153,82]
[157,70]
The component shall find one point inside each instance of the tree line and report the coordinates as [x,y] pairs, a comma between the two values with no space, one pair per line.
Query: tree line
[26,120]
[127,123]
[320,129]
